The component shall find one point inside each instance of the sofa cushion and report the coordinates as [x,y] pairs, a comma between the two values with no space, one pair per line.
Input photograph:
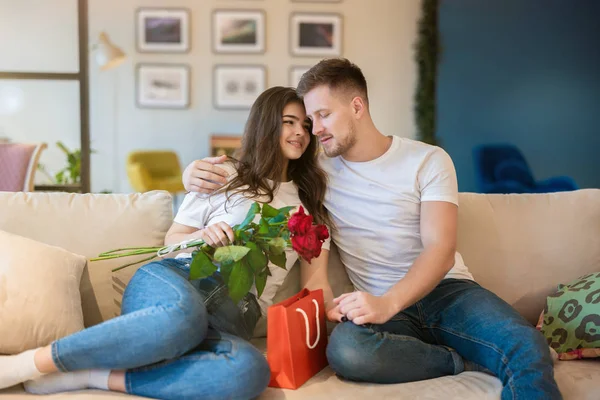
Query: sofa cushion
[577,380]
[39,293]
[90,224]
[571,320]
[520,246]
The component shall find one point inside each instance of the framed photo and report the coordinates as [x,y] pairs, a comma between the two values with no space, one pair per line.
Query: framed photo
[163,30]
[237,86]
[224,144]
[163,86]
[316,35]
[296,73]
[238,31]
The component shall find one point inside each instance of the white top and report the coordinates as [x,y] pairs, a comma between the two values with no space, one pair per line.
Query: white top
[201,210]
[376,206]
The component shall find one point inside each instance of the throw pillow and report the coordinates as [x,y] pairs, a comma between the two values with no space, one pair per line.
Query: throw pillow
[39,293]
[571,319]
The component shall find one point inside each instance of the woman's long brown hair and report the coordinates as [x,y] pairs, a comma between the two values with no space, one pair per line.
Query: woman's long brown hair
[260,158]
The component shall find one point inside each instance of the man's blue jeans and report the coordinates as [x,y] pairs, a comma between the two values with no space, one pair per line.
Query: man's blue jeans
[459,320]
[170,345]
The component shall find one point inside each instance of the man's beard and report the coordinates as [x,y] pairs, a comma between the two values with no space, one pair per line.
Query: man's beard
[342,147]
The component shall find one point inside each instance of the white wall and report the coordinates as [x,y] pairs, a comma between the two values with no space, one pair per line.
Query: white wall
[378,36]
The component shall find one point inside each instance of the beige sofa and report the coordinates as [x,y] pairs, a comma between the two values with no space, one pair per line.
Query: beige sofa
[518,246]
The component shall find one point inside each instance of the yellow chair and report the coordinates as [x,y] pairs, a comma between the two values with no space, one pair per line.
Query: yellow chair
[155,170]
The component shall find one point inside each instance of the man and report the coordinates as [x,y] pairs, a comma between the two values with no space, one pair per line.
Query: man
[416,313]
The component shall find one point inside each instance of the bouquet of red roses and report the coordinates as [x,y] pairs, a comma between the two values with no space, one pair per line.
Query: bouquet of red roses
[245,261]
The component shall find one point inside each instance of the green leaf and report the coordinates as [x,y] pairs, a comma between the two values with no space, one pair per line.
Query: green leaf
[261,281]
[274,231]
[269,212]
[264,227]
[278,259]
[225,270]
[278,219]
[245,236]
[254,209]
[256,258]
[277,245]
[286,210]
[240,280]
[201,266]
[228,254]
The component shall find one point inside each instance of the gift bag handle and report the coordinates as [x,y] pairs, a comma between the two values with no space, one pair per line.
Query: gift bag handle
[301,311]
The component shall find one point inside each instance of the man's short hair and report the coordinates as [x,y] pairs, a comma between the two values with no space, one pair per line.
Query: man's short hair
[336,73]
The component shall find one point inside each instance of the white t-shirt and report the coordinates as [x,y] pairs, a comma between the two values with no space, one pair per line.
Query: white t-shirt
[199,211]
[376,206]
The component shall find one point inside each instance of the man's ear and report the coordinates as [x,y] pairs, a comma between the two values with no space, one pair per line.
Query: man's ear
[358,107]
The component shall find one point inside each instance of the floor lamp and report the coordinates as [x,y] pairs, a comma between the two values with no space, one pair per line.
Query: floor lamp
[109,56]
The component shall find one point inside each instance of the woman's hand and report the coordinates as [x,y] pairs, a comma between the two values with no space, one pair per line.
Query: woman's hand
[334,314]
[217,235]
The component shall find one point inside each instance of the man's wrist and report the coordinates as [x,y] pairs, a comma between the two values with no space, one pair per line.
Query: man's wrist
[395,303]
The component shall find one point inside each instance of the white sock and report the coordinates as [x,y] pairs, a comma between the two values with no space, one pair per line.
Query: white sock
[18,368]
[67,381]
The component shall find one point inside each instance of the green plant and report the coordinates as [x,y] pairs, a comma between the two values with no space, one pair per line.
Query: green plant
[72,172]
[426,55]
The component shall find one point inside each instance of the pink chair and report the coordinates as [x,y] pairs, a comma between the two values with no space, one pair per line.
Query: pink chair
[18,163]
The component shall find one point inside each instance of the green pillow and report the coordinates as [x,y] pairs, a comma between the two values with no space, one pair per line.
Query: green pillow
[572,315]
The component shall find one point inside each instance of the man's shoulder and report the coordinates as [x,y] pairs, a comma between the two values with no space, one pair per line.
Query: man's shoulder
[417,147]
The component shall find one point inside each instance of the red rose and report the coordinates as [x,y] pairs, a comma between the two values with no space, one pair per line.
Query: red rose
[308,246]
[300,223]
[322,232]
[306,238]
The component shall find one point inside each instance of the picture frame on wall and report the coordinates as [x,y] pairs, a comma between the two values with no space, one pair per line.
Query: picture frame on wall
[238,31]
[237,86]
[316,34]
[163,86]
[225,145]
[296,72]
[163,30]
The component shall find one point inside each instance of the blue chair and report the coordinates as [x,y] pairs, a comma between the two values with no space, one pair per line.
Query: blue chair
[501,168]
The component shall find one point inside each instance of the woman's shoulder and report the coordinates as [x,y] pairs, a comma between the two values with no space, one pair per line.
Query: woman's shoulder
[230,167]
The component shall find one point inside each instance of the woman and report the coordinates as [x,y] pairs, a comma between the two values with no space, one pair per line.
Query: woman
[181,339]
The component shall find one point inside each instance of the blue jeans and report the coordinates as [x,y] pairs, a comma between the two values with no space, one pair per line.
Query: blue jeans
[459,320]
[167,341]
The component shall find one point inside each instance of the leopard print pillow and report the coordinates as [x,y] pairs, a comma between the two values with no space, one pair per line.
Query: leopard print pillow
[571,319]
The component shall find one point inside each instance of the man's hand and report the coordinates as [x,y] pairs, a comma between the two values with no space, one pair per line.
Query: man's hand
[203,176]
[362,308]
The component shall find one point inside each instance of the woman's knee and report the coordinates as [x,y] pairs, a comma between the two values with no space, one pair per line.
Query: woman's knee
[175,305]
[254,370]
[245,372]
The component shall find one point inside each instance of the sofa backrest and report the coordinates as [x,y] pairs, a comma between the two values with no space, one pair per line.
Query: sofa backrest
[521,246]
[518,246]
[90,224]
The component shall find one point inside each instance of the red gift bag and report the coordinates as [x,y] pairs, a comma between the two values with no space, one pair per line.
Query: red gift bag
[296,339]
